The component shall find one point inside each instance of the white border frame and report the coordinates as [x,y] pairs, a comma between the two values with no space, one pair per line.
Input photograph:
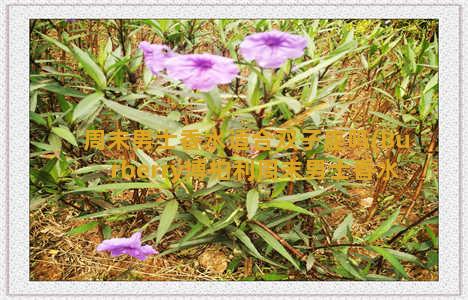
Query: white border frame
[18,146]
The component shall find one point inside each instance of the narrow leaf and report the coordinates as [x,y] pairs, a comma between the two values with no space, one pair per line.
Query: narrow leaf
[90,67]
[343,228]
[342,259]
[54,42]
[383,228]
[121,210]
[301,197]
[285,205]
[270,240]
[153,121]
[87,106]
[387,118]
[391,259]
[83,228]
[61,90]
[434,81]
[65,134]
[322,65]
[246,241]
[252,203]
[167,217]
[117,186]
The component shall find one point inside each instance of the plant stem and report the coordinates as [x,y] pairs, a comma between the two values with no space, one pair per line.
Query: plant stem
[296,252]
[419,221]
[422,176]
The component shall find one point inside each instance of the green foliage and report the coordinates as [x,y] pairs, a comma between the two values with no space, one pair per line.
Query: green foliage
[354,73]
[167,217]
[251,203]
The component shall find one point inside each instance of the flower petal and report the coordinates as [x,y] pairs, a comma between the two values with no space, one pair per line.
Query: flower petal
[201,71]
[271,49]
[155,56]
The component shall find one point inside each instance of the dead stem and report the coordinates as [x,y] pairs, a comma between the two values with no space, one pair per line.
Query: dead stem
[422,177]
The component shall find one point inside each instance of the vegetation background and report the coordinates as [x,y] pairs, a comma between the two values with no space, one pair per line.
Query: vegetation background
[361,74]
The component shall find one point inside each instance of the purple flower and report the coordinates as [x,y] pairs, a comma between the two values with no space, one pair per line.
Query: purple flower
[130,246]
[155,56]
[271,49]
[201,71]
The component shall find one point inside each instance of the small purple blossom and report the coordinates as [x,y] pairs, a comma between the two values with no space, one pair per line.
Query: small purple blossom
[130,246]
[201,71]
[155,55]
[271,49]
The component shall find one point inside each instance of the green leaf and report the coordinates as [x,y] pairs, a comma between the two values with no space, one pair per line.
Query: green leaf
[33,101]
[65,134]
[291,102]
[220,224]
[343,228]
[342,259]
[270,240]
[213,101]
[432,258]
[275,277]
[104,51]
[278,189]
[90,67]
[387,118]
[391,259]
[147,160]
[106,232]
[433,82]
[253,93]
[303,196]
[121,210]
[285,205]
[55,142]
[434,238]
[310,262]
[246,241]
[61,90]
[322,65]
[251,247]
[87,106]
[425,104]
[310,91]
[177,246]
[195,229]
[252,203]
[408,118]
[201,217]
[36,118]
[147,76]
[153,121]
[404,256]
[167,216]
[411,56]
[94,168]
[54,42]
[378,277]
[383,228]
[83,228]
[117,186]
[44,146]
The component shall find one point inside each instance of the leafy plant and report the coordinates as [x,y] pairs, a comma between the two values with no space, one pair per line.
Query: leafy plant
[370,74]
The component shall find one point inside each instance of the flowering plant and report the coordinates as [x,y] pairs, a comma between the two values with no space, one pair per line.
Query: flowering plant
[215,80]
